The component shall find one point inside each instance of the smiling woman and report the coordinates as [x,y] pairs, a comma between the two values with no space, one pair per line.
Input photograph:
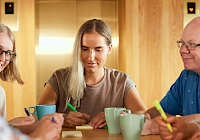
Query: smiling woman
[87,84]
[8,65]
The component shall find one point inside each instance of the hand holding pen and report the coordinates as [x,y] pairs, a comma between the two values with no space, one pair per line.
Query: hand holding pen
[74,118]
[162,113]
[84,116]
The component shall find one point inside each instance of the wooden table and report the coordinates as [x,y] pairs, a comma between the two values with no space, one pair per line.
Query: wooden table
[102,134]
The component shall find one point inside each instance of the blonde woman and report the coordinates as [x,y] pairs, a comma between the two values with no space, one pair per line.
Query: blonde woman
[9,71]
[87,84]
[43,129]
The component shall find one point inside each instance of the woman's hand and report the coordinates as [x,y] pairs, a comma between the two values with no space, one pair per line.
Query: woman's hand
[47,129]
[23,120]
[73,119]
[98,121]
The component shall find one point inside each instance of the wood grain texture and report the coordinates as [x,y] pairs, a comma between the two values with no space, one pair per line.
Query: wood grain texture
[21,96]
[148,31]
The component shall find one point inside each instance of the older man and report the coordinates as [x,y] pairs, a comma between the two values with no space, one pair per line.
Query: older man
[183,98]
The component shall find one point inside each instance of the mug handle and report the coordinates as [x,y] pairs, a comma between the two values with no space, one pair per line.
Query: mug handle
[31,112]
[127,111]
[144,120]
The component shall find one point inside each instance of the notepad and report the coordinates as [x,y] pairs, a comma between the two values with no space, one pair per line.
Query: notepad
[84,126]
[71,134]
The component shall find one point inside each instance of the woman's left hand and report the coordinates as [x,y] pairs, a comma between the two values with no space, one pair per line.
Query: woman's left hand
[23,120]
[98,121]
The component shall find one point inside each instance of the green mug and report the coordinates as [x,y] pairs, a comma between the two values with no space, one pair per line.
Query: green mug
[41,110]
[112,118]
[131,125]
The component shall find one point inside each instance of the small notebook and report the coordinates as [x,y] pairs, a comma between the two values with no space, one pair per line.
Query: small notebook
[84,126]
[71,134]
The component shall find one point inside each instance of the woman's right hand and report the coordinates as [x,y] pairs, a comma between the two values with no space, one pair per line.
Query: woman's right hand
[73,119]
[46,129]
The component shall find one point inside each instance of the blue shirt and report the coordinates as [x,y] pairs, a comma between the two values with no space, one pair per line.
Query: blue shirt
[183,98]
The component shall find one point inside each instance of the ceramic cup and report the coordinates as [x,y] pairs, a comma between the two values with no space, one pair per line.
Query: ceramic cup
[112,118]
[41,110]
[131,125]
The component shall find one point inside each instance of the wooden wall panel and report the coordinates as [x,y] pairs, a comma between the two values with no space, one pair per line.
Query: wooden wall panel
[21,96]
[148,31]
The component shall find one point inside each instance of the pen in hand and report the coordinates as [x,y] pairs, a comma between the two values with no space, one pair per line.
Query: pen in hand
[162,113]
[72,108]
[53,119]
[28,114]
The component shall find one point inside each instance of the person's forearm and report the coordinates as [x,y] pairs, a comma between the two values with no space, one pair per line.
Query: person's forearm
[190,130]
[189,118]
[152,112]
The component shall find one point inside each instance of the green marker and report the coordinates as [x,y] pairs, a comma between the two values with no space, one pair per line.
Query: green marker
[162,113]
[70,106]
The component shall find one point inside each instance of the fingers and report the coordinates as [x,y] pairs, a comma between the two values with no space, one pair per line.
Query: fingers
[147,116]
[159,120]
[121,112]
[58,118]
[196,136]
[73,119]
[86,116]
[98,121]
[28,120]
[46,128]
[23,120]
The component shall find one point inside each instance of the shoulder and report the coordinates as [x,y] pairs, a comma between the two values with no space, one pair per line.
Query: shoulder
[62,71]
[116,73]
[188,73]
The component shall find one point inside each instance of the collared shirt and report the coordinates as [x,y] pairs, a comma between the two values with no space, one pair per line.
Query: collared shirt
[183,98]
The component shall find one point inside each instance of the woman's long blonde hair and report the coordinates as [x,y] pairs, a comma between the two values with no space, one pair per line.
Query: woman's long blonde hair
[75,81]
[10,72]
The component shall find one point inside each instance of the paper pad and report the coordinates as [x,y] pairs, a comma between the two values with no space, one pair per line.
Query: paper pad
[71,134]
[84,127]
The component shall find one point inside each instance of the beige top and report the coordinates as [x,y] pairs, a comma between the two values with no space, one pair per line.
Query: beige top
[3,103]
[111,91]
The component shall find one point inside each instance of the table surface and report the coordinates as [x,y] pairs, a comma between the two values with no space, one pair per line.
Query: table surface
[102,134]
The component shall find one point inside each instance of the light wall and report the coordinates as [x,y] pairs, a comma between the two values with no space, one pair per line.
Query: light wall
[57,23]
[148,31]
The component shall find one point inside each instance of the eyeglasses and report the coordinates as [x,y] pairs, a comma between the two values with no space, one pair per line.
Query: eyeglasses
[9,55]
[189,45]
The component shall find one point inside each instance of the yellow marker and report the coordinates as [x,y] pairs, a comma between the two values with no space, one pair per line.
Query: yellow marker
[162,113]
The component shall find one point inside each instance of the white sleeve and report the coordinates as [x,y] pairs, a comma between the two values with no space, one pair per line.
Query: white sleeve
[197,122]
[3,103]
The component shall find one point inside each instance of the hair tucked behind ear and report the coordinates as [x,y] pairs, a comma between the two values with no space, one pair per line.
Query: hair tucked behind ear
[10,72]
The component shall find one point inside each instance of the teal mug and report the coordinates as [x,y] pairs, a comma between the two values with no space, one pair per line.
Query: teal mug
[41,110]
[112,118]
[131,125]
